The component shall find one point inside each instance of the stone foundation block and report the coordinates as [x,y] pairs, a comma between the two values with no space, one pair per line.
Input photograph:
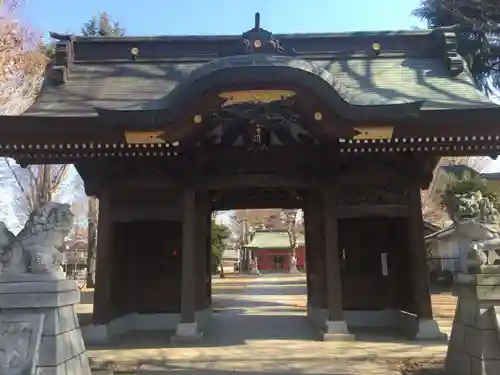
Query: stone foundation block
[428,329]
[99,334]
[414,328]
[337,331]
[474,346]
[187,332]
[39,332]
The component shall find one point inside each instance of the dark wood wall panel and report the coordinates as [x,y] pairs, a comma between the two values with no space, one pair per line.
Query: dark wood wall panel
[362,243]
[148,278]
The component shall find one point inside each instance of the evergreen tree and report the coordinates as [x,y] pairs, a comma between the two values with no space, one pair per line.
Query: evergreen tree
[477,23]
[102,25]
[219,234]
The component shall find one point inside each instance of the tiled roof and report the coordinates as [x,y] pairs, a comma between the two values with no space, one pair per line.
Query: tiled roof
[412,66]
[365,82]
[495,176]
[459,169]
[274,240]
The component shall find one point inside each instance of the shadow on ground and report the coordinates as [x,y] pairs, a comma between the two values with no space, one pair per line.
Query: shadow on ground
[256,363]
[262,311]
[253,366]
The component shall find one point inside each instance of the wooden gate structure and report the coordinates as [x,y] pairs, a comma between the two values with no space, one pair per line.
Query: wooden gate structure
[348,127]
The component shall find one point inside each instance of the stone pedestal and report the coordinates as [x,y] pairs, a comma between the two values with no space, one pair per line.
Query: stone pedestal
[39,329]
[474,346]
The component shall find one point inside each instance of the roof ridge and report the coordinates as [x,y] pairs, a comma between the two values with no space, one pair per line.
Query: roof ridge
[438,43]
[216,37]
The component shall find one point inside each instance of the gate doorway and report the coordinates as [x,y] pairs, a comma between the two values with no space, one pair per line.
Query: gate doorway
[371,252]
[270,303]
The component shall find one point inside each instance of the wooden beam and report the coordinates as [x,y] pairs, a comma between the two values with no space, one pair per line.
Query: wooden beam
[58,129]
[258,180]
[276,155]
[365,210]
[219,182]
[256,204]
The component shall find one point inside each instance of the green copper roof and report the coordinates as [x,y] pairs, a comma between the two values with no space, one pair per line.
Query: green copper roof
[274,240]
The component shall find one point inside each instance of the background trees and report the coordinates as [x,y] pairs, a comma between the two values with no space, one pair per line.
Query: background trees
[219,235]
[477,25]
[24,58]
[21,61]
[22,68]
[102,25]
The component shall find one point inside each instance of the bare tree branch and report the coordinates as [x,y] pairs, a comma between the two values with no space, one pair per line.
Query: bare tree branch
[22,64]
[37,184]
[20,185]
[289,219]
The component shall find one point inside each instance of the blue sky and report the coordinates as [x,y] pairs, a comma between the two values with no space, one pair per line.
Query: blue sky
[160,17]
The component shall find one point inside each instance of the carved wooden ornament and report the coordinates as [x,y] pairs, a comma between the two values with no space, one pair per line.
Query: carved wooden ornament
[254,96]
[144,137]
[374,132]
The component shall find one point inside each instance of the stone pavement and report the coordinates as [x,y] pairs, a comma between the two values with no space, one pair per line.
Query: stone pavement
[260,327]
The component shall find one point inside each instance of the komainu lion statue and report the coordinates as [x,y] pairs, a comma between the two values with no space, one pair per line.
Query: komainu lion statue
[476,216]
[35,249]
[472,206]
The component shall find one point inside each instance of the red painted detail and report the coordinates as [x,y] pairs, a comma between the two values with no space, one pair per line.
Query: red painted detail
[270,259]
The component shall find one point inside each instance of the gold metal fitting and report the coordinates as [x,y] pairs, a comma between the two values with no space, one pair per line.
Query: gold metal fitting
[197,119]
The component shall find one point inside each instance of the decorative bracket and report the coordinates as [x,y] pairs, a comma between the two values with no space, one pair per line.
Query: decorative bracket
[63,58]
[258,40]
[453,60]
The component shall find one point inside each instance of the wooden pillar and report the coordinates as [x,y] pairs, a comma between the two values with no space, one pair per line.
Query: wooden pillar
[103,304]
[208,254]
[417,256]
[203,223]
[332,261]
[315,249]
[188,256]
[310,250]
[132,279]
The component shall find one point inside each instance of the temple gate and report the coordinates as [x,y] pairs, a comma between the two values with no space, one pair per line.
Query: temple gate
[349,127]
